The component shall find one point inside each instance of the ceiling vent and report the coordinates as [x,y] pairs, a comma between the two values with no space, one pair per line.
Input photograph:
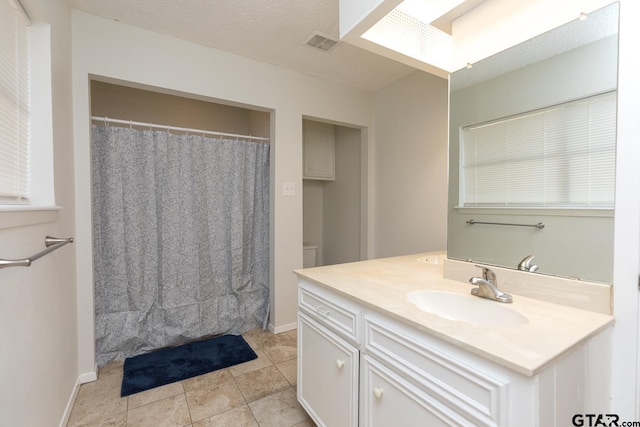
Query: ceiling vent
[321,41]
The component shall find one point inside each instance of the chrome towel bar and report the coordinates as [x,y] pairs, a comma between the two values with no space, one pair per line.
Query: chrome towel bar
[539,225]
[52,243]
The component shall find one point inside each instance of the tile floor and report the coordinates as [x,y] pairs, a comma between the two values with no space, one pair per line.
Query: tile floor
[259,393]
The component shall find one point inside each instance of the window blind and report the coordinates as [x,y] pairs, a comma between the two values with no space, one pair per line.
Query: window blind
[561,156]
[14,103]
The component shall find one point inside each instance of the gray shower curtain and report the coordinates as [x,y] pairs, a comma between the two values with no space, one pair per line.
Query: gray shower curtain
[181,238]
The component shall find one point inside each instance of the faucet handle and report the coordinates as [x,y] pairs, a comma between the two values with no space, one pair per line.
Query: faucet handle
[487,274]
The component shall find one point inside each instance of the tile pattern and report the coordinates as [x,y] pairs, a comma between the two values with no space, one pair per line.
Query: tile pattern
[259,393]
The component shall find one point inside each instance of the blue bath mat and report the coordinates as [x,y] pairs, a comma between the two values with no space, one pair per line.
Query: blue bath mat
[169,365]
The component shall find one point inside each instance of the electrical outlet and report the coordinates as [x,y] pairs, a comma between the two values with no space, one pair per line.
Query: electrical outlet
[288,188]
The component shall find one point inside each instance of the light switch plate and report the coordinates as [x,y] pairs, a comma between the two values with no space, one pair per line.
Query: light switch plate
[288,188]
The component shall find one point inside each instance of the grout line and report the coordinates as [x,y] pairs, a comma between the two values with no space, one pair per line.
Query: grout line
[184,391]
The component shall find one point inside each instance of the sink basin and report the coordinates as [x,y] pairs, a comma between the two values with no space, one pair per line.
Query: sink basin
[467,308]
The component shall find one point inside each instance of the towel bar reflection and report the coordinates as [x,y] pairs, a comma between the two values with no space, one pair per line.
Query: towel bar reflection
[539,225]
[52,243]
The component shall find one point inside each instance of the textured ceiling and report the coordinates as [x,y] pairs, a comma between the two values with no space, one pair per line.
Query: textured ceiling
[272,31]
[599,24]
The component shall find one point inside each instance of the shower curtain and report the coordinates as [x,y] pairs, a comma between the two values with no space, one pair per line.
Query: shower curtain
[181,238]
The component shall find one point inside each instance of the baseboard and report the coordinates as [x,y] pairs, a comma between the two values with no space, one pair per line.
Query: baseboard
[88,377]
[72,399]
[282,328]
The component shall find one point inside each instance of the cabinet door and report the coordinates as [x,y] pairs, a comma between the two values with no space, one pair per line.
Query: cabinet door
[328,369]
[319,150]
[389,400]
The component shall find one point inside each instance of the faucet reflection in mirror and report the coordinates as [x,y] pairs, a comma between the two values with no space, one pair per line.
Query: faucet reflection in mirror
[502,113]
[525,264]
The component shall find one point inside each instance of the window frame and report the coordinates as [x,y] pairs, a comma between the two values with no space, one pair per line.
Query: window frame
[14,87]
[501,164]
[41,207]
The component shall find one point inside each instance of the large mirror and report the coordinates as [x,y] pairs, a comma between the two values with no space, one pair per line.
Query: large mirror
[516,188]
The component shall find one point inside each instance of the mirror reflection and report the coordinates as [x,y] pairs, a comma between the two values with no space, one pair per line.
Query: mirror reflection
[532,153]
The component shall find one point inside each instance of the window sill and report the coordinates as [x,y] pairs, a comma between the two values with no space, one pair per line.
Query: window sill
[21,216]
[593,212]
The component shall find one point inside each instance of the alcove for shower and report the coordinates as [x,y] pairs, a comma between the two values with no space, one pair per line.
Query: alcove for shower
[181,213]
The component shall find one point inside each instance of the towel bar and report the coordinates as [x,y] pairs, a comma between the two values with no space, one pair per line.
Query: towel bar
[52,243]
[539,225]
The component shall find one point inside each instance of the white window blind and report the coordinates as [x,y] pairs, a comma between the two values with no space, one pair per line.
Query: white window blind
[14,103]
[561,156]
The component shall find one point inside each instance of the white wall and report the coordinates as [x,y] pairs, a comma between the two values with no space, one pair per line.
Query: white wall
[342,206]
[113,50]
[312,218]
[410,166]
[38,336]
[115,101]
[625,388]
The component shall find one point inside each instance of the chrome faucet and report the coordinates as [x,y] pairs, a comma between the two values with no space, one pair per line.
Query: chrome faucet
[488,286]
[525,264]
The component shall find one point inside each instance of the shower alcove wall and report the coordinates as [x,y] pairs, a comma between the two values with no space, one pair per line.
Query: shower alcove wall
[138,105]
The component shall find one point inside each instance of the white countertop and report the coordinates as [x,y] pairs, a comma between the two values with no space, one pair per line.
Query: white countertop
[383,285]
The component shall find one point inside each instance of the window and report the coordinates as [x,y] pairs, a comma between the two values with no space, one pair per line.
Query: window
[558,157]
[14,103]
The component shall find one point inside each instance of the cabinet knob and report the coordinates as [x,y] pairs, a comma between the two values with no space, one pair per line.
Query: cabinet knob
[339,363]
[377,392]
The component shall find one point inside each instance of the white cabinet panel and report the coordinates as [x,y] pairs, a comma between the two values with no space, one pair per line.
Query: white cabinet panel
[328,369]
[319,150]
[389,400]
[461,386]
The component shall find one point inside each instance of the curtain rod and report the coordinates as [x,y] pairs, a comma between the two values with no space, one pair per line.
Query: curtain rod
[178,129]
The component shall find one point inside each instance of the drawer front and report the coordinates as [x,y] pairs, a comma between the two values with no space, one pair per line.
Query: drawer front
[390,400]
[481,398]
[331,311]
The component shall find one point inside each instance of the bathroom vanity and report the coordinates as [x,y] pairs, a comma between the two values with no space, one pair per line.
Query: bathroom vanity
[393,342]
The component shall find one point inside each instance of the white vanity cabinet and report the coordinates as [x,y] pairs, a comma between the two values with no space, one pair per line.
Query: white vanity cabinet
[319,150]
[361,367]
[329,360]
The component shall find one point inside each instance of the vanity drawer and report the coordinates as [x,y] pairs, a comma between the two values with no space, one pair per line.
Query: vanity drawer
[334,312]
[481,398]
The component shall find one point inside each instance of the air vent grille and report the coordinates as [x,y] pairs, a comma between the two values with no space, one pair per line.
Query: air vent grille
[321,41]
